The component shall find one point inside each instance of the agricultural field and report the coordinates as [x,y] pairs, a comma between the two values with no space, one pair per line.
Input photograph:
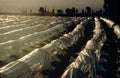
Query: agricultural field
[59,47]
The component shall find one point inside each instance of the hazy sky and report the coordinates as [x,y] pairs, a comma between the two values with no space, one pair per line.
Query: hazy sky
[18,5]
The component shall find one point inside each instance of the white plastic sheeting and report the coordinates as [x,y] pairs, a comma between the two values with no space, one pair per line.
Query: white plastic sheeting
[117,30]
[24,22]
[18,22]
[41,58]
[11,66]
[111,24]
[17,26]
[17,47]
[15,34]
[84,65]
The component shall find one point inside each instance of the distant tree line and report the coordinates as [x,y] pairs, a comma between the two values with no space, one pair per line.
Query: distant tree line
[71,12]
[110,9]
